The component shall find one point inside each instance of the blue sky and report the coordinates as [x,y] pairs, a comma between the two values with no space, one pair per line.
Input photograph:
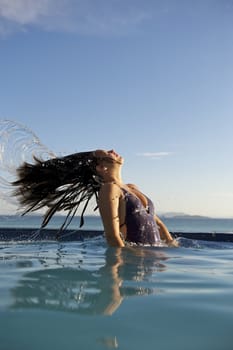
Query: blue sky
[151,79]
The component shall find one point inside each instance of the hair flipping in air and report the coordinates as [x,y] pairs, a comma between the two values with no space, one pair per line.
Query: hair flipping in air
[58,184]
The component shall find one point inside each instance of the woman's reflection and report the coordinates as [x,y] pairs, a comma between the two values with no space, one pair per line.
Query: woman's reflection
[127,272]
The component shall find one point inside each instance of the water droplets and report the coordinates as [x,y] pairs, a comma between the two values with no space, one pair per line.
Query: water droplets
[18,144]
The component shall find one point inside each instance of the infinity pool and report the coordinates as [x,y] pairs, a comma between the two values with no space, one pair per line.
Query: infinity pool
[83,295]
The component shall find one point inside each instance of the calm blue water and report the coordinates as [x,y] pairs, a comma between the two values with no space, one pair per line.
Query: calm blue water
[84,295]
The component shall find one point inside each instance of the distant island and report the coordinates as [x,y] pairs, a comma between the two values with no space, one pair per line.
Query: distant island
[174,215]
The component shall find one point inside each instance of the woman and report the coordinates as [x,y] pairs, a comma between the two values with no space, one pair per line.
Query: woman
[67,182]
[127,214]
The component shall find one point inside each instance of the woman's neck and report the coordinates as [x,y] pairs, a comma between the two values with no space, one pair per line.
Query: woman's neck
[113,176]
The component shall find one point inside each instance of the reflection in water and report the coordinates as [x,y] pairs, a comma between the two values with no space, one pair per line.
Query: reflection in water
[109,342]
[126,272]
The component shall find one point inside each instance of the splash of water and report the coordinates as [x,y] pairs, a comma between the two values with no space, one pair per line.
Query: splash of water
[18,144]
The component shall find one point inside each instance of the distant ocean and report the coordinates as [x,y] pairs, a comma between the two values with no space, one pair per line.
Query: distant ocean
[174,224]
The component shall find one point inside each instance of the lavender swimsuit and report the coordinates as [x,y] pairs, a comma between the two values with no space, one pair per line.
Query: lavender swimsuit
[140,222]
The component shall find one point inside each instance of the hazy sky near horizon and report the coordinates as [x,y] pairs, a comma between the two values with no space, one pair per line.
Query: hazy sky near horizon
[151,79]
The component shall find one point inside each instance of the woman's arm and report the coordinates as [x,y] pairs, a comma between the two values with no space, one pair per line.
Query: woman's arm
[164,233]
[109,197]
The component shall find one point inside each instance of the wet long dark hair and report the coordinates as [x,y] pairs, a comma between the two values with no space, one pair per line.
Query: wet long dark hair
[60,184]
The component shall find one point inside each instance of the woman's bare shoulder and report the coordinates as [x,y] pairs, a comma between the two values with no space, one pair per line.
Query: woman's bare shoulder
[133,186]
[110,188]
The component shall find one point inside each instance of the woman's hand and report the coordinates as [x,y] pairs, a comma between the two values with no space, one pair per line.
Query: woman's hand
[173,243]
[165,234]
